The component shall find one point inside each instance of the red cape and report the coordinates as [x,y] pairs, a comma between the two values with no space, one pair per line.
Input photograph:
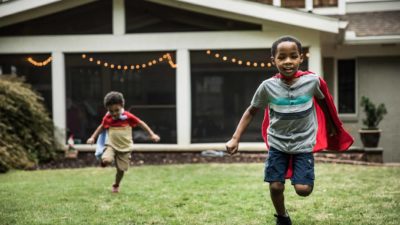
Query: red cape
[339,142]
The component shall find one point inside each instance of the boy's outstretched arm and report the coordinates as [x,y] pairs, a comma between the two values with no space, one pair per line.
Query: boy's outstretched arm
[233,144]
[96,133]
[332,129]
[154,137]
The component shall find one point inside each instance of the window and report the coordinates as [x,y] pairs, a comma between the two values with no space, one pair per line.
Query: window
[91,18]
[149,91]
[148,17]
[346,86]
[222,90]
[39,77]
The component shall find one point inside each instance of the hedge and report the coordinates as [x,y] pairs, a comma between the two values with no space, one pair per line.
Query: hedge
[26,130]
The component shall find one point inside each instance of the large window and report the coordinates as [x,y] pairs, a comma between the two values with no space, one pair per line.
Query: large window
[347,86]
[35,68]
[146,79]
[223,84]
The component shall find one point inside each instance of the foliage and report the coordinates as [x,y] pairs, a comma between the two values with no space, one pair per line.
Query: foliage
[26,130]
[233,194]
[374,114]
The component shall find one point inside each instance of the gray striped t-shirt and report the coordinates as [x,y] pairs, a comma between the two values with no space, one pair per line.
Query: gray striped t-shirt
[293,123]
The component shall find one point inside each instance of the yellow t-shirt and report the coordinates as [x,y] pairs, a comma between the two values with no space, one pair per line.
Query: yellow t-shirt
[120,138]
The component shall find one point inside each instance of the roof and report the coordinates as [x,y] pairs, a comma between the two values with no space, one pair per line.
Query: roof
[254,10]
[373,23]
[267,12]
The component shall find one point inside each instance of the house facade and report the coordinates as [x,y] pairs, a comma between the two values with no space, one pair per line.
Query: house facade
[189,68]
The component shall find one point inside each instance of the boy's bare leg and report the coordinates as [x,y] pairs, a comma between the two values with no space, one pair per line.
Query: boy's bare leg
[276,190]
[303,189]
[119,176]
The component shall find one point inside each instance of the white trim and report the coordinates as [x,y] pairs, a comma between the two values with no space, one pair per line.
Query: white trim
[309,5]
[36,12]
[372,6]
[15,7]
[118,17]
[315,59]
[353,51]
[58,95]
[258,11]
[149,42]
[277,3]
[352,39]
[342,7]
[358,1]
[183,97]
[343,24]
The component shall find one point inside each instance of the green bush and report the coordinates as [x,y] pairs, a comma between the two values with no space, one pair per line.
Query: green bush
[26,130]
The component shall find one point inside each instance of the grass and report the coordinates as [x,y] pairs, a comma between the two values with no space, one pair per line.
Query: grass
[196,194]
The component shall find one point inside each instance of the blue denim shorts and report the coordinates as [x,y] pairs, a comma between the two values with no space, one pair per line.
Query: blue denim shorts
[277,164]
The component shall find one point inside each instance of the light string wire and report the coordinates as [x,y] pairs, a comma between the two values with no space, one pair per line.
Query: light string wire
[39,64]
[239,61]
[164,58]
[132,66]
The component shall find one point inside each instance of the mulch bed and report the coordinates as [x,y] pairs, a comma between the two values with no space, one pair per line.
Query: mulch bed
[87,159]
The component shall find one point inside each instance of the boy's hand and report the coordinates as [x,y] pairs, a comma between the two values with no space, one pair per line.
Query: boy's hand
[155,138]
[232,146]
[90,141]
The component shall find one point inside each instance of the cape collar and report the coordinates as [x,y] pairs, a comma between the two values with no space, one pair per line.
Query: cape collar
[299,73]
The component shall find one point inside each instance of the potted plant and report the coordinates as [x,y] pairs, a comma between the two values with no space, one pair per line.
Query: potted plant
[371,133]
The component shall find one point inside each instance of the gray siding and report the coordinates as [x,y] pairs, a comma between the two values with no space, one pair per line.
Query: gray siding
[379,79]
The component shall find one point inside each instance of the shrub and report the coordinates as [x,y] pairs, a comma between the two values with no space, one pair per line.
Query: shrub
[374,114]
[26,130]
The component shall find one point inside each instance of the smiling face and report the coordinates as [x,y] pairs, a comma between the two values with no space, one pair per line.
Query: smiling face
[287,58]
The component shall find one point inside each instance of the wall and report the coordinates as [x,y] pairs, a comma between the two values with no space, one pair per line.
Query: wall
[379,79]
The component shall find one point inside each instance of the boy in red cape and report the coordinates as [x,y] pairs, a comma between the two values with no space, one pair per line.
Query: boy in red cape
[300,118]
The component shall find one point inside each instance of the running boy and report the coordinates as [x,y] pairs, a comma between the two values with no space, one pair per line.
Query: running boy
[119,124]
[292,129]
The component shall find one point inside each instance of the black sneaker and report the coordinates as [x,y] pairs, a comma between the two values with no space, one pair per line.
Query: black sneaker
[283,220]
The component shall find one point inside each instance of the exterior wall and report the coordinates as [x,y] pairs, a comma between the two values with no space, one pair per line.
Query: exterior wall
[378,78]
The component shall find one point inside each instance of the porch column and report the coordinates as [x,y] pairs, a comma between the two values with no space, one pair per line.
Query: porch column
[342,7]
[183,97]
[118,17]
[309,5]
[58,95]
[276,3]
[315,59]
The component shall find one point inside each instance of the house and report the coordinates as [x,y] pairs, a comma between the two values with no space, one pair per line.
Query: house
[190,67]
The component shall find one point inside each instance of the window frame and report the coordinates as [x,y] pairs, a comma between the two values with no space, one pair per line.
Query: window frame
[346,116]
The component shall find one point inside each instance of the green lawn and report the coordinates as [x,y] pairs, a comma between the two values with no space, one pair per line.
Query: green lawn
[196,194]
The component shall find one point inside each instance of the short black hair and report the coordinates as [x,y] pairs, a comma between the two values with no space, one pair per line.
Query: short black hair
[114,97]
[283,39]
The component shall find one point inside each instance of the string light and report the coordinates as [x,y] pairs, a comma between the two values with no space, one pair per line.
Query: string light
[241,62]
[166,57]
[237,60]
[39,64]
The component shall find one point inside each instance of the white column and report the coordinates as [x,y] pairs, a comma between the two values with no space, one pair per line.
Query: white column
[309,5]
[183,97]
[118,17]
[58,95]
[342,7]
[315,59]
[276,3]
